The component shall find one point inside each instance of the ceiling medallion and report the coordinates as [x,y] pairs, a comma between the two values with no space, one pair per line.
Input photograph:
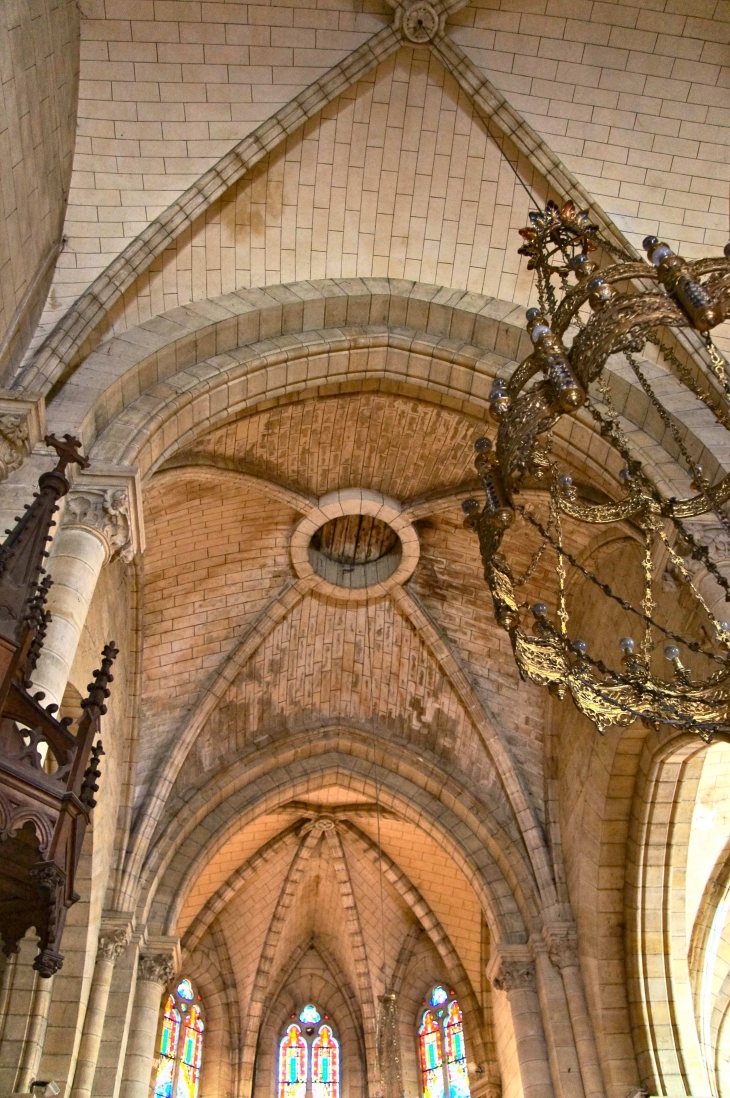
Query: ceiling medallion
[619,308]
[420,22]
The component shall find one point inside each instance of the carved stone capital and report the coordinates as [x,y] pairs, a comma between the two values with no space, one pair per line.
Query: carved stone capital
[22,426]
[158,968]
[563,952]
[108,501]
[511,969]
[113,942]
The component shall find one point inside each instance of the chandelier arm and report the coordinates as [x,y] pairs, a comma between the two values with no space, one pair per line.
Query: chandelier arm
[583,511]
[623,324]
[546,661]
[524,373]
[700,552]
[693,646]
[578,295]
[699,480]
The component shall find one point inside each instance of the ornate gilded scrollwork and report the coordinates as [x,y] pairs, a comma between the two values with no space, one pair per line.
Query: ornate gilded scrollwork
[612,310]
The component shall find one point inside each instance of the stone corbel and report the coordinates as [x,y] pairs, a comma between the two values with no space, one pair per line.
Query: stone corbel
[510,968]
[22,426]
[107,499]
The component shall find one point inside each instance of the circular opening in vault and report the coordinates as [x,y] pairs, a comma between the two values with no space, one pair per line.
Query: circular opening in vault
[355,551]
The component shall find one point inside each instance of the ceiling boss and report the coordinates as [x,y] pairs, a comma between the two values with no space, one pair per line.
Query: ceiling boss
[616,311]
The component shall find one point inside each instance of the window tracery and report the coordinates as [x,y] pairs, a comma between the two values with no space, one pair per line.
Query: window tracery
[181,1044]
[309,1057]
[441,1047]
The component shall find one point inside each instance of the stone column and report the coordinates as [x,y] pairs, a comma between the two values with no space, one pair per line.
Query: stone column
[101,522]
[512,970]
[36,1034]
[562,1054]
[112,943]
[154,972]
[563,953]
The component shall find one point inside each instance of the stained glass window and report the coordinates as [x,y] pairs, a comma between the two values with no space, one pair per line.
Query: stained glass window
[188,1075]
[309,1057]
[432,1072]
[168,1050]
[293,1062]
[181,1045]
[456,1069]
[444,1071]
[325,1064]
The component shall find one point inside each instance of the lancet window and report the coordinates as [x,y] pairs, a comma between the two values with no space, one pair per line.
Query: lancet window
[442,1052]
[181,1044]
[309,1057]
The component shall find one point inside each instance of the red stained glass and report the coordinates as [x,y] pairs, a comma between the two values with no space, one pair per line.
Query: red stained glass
[325,1065]
[168,1049]
[443,1074]
[181,1046]
[429,1045]
[293,1064]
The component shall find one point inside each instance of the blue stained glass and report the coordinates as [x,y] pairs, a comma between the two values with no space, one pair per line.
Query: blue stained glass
[438,996]
[185,990]
[310,1015]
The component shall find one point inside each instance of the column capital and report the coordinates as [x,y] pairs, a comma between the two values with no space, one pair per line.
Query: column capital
[157,968]
[511,968]
[115,935]
[562,945]
[22,426]
[160,959]
[108,500]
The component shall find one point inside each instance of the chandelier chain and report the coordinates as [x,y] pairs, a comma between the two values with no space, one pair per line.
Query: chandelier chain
[693,646]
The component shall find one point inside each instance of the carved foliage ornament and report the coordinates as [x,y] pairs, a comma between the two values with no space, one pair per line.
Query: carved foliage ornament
[112,944]
[14,444]
[105,510]
[158,968]
[514,975]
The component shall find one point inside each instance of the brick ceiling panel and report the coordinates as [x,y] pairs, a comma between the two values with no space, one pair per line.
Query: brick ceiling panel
[371,440]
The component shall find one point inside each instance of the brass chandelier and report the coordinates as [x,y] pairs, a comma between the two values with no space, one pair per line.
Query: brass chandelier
[588,312]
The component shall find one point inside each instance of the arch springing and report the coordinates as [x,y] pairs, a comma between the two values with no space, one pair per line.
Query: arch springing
[441,1047]
[181,1044]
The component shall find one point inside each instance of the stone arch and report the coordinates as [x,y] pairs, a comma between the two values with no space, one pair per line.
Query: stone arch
[490,860]
[341,1004]
[662,1005]
[140,396]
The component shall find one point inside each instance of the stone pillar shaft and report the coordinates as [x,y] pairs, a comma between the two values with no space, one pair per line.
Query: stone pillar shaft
[101,521]
[559,1038]
[110,948]
[153,973]
[77,558]
[516,977]
[590,1070]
